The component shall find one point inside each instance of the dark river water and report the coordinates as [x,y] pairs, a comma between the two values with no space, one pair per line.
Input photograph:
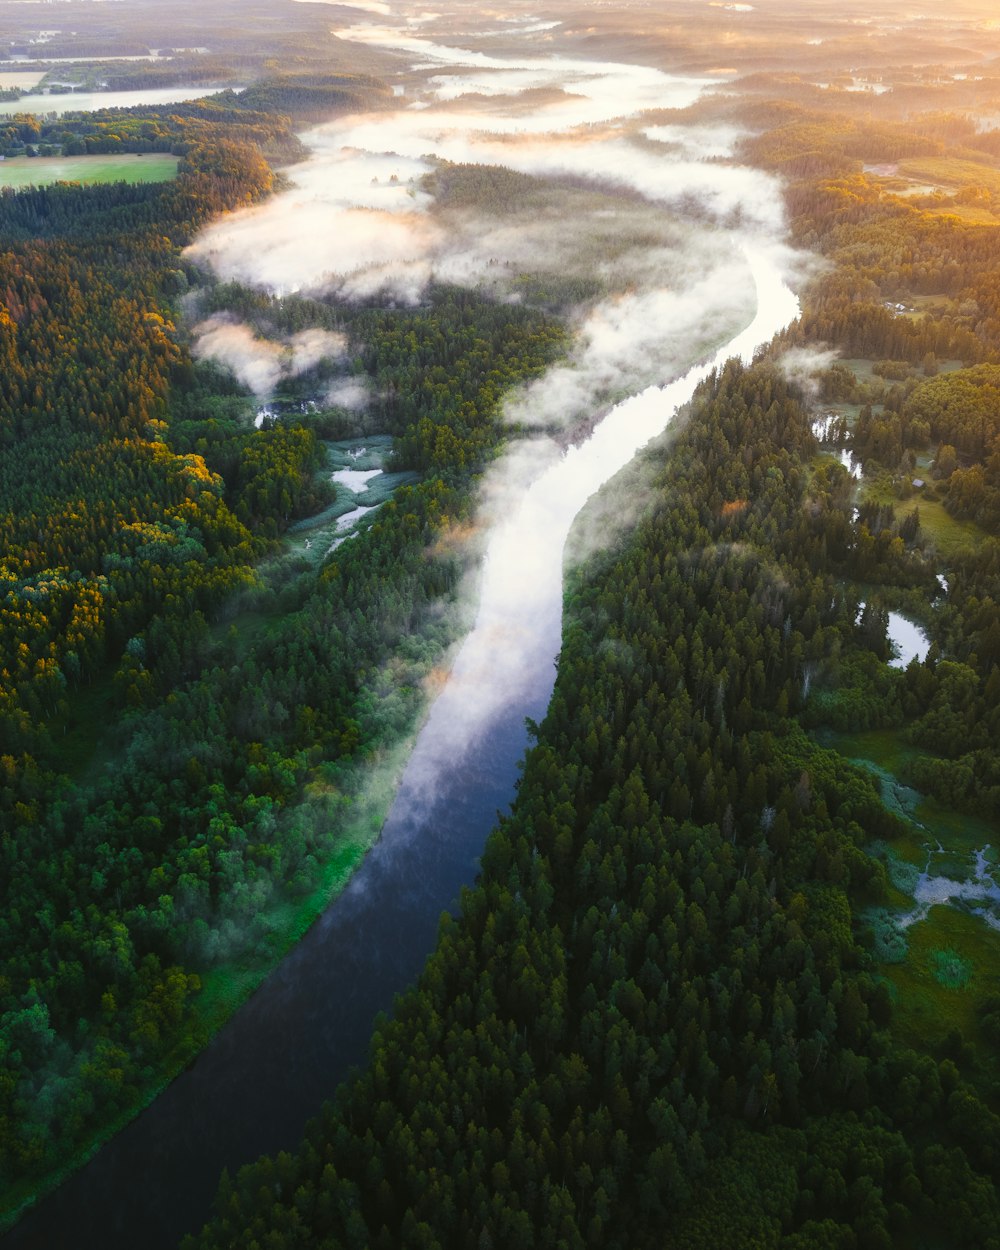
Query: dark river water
[270,1068]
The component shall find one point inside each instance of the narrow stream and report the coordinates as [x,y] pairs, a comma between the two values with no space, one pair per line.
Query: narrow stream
[269,1069]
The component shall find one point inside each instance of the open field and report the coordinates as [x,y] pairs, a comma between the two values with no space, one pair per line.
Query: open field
[41,171]
[966,189]
[950,536]
[22,79]
[949,173]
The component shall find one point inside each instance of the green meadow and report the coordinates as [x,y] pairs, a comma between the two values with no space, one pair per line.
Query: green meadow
[41,171]
[944,966]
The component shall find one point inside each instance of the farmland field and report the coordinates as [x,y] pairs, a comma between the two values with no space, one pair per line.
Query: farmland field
[23,79]
[39,171]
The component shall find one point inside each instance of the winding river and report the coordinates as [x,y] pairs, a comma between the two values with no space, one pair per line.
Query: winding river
[267,1071]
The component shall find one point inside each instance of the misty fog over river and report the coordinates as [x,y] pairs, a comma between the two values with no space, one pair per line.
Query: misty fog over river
[693,267]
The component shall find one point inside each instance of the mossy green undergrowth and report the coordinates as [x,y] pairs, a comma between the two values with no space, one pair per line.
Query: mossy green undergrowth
[952,965]
[943,964]
[950,969]
[80,736]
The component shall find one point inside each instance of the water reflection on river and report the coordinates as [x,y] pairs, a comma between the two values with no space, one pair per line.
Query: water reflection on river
[908,640]
[46,104]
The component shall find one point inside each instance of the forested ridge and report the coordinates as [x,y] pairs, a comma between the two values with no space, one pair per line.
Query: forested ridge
[662,1016]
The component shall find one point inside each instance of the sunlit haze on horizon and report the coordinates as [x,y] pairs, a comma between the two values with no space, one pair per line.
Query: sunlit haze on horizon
[700,251]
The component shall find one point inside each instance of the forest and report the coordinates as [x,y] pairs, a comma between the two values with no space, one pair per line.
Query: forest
[152,803]
[653,1021]
[684,1002]
[673,1010]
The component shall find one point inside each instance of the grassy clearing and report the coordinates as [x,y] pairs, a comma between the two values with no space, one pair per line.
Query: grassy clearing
[948,536]
[41,171]
[931,1001]
[940,968]
[951,173]
[975,186]
[23,80]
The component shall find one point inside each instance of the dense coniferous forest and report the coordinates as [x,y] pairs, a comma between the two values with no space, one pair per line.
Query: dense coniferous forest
[652,1018]
[675,1008]
[666,1014]
[138,500]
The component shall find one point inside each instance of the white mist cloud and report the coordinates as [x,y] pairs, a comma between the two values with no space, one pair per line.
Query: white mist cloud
[257,363]
[519,25]
[697,141]
[724,193]
[802,366]
[363,6]
[634,340]
[310,245]
[349,393]
[261,363]
[315,238]
[309,347]
[607,89]
[358,224]
[529,502]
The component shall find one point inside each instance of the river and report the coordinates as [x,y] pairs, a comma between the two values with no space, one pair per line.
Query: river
[47,104]
[268,1069]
